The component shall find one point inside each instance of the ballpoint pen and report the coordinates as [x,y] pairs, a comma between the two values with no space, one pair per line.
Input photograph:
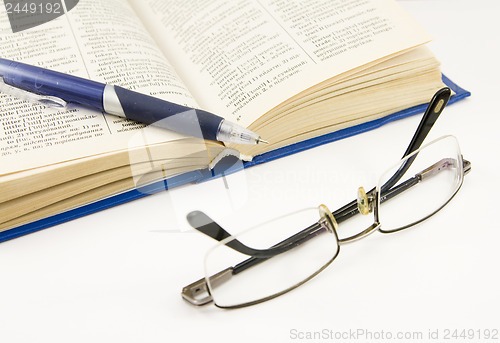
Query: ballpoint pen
[59,88]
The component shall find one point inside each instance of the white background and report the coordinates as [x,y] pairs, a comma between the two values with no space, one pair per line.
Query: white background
[117,275]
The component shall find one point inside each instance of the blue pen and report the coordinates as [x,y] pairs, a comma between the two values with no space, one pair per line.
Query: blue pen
[124,103]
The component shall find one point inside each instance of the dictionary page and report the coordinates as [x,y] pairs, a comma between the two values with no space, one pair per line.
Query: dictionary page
[99,40]
[242,58]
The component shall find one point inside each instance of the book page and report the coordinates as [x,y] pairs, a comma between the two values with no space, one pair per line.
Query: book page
[99,40]
[242,58]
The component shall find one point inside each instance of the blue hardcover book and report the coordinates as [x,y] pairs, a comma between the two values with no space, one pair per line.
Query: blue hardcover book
[220,169]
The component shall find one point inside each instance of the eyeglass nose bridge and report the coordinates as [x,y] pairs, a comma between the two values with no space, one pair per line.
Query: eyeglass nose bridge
[374,227]
[366,204]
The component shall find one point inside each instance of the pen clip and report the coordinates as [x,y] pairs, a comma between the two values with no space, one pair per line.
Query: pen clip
[46,100]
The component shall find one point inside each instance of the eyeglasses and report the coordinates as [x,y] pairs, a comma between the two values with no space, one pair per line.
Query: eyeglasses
[275,257]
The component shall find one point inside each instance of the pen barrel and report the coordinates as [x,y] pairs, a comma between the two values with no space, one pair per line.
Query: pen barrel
[48,82]
[111,99]
[167,115]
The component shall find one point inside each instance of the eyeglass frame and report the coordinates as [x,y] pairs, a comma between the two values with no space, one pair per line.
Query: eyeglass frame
[328,220]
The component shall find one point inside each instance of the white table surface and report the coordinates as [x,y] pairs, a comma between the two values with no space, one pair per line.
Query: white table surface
[117,275]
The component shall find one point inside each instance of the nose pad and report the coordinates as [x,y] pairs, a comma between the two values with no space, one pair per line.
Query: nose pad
[363,202]
[325,213]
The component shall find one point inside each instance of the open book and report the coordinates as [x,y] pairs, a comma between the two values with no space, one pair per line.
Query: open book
[288,70]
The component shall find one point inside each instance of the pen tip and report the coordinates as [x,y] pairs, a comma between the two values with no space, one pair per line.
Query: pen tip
[262,141]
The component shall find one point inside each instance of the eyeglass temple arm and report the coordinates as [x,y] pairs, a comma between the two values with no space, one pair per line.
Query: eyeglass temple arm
[434,109]
[197,293]
[432,113]
[206,225]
